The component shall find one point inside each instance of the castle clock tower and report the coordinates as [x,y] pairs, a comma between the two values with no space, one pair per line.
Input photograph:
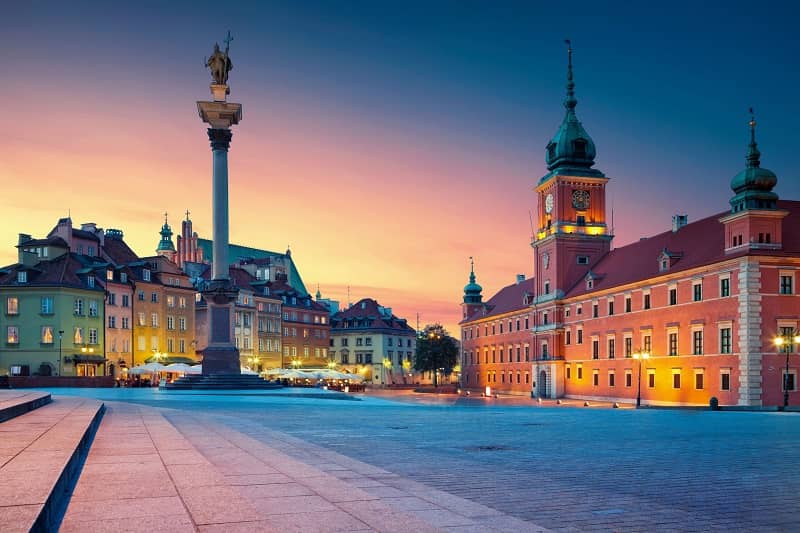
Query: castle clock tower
[572,233]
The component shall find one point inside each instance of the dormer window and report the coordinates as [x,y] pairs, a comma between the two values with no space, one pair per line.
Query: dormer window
[579,147]
[551,151]
[664,265]
[145,274]
[22,277]
[123,277]
[110,275]
[90,282]
[589,284]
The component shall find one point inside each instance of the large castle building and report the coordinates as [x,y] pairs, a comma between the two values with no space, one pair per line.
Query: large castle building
[678,318]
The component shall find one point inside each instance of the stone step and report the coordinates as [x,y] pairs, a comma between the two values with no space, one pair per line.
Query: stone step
[222,381]
[16,403]
[41,454]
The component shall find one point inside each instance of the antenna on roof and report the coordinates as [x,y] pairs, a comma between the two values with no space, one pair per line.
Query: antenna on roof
[348,297]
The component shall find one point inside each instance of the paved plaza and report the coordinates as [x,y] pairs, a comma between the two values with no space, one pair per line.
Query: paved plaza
[427,462]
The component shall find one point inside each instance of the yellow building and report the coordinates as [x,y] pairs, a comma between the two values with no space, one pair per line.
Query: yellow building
[368,339]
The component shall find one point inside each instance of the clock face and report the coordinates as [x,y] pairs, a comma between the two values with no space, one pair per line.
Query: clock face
[580,199]
[548,203]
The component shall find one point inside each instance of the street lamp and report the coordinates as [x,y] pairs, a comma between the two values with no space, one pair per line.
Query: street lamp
[60,335]
[639,356]
[786,343]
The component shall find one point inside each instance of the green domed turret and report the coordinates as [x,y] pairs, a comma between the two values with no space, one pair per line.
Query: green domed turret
[571,150]
[753,185]
[472,291]
[165,244]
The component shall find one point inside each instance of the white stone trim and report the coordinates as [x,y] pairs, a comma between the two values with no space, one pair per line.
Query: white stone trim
[750,379]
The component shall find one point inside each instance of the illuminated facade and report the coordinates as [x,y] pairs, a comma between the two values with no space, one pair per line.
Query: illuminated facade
[366,338]
[692,312]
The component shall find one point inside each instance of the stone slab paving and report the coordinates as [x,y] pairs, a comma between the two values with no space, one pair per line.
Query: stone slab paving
[35,451]
[18,402]
[564,468]
[165,470]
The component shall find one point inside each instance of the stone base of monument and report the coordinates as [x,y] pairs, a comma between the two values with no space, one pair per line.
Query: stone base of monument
[221,371]
[221,360]
[222,382]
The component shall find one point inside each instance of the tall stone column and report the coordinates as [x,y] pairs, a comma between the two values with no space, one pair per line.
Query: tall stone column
[221,356]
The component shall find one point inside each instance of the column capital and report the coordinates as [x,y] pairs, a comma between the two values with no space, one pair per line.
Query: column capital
[220,138]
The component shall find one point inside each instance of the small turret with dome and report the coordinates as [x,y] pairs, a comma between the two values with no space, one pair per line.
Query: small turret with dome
[165,244]
[571,151]
[753,185]
[472,291]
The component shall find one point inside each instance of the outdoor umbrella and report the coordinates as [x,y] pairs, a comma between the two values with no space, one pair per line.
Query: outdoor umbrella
[178,367]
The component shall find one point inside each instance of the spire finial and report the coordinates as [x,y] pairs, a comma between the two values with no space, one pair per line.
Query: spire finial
[471,269]
[165,217]
[187,215]
[570,102]
[753,155]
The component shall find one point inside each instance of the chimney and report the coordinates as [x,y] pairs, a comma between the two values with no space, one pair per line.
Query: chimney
[679,221]
[520,278]
[23,238]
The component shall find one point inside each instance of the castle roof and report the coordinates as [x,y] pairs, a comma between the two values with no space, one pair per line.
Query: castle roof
[694,245]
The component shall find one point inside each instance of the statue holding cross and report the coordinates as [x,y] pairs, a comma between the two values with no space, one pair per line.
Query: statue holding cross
[220,63]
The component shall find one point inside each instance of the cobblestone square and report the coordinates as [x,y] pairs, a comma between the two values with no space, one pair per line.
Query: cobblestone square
[561,468]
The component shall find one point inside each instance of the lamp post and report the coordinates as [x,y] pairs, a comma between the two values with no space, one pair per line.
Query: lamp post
[60,336]
[639,356]
[786,342]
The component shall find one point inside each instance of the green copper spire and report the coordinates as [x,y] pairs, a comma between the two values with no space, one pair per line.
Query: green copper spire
[571,151]
[472,291]
[753,185]
[165,244]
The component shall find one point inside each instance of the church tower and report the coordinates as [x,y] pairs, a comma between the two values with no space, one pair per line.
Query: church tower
[165,246]
[473,300]
[755,222]
[571,233]
[188,250]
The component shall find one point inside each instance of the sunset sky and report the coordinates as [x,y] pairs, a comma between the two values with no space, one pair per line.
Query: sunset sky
[386,142]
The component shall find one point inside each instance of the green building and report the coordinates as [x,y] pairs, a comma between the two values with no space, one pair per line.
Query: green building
[52,315]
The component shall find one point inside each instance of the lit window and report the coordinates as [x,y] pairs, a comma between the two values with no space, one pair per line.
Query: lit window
[12,336]
[47,334]
[12,305]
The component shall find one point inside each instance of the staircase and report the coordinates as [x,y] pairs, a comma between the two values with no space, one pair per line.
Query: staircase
[222,382]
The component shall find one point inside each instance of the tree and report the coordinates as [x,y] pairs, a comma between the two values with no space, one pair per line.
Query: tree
[436,350]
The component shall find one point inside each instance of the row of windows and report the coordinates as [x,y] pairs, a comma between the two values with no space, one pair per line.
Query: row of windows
[47,306]
[514,324]
[698,347]
[125,300]
[366,358]
[306,317]
[789,380]
[47,335]
[786,287]
[154,321]
[292,332]
[473,358]
[291,351]
[367,341]
[269,345]
[141,343]
[491,377]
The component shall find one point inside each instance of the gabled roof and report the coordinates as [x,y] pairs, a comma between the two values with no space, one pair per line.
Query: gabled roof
[119,251]
[48,241]
[378,317]
[508,299]
[237,252]
[81,234]
[694,245]
[61,271]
